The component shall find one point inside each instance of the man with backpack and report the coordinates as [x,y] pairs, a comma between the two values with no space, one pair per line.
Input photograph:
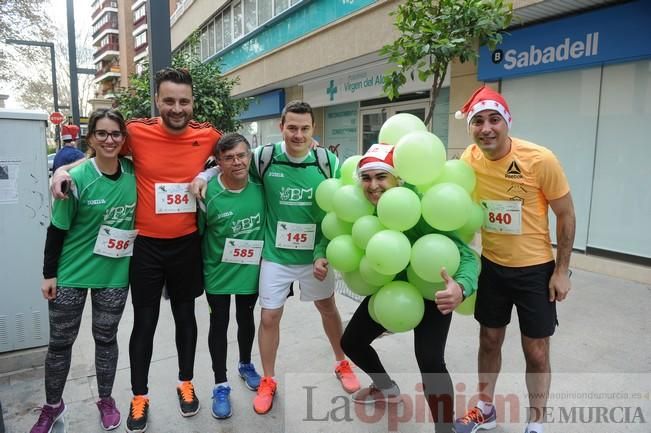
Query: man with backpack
[294,247]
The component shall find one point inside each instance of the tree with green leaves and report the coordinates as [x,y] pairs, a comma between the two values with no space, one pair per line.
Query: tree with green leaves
[434,33]
[212,93]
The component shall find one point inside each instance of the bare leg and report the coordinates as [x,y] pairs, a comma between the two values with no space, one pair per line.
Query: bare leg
[269,339]
[489,360]
[538,377]
[331,324]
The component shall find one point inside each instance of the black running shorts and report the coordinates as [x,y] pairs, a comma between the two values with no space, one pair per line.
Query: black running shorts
[175,263]
[527,287]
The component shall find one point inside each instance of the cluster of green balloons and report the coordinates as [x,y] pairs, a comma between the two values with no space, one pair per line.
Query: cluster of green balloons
[369,248]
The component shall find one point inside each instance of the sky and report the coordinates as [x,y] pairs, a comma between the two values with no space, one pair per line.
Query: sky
[58,14]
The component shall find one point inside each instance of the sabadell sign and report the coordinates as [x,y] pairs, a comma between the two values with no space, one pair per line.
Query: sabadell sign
[610,35]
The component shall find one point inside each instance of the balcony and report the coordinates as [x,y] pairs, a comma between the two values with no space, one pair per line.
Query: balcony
[105,51]
[107,72]
[110,25]
[140,21]
[105,4]
[106,69]
[136,4]
[140,48]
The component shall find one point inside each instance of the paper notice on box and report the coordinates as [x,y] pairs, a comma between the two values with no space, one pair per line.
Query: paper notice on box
[9,181]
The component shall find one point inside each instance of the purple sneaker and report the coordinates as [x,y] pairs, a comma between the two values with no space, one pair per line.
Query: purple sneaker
[109,414]
[48,417]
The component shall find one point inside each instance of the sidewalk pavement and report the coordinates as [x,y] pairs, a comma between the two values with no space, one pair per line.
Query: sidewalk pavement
[602,344]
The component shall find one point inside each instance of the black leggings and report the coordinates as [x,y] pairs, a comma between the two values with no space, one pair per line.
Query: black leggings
[217,335]
[145,319]
[65,313]
[429,345]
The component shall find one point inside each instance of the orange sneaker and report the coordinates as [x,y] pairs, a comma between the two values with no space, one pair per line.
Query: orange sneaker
[347,377]
[188,401]
[264,398]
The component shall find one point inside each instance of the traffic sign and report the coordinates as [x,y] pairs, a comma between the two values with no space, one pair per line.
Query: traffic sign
[56,117]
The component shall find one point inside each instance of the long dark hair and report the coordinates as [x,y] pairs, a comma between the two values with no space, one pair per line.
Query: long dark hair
[103,113]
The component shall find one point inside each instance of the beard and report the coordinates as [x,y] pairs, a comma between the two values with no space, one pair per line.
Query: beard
[176,123]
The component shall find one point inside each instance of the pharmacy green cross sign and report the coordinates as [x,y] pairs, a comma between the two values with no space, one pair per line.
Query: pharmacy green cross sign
[332,90]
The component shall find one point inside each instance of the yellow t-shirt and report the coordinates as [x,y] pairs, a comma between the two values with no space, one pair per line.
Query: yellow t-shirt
[515,192]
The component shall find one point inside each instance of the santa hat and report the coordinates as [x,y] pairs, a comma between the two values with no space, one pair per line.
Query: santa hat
[69,132]
[377,157]
[484,98]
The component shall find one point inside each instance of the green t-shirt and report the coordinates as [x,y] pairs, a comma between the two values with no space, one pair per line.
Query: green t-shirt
[232,215]
[95,201]
[289,188]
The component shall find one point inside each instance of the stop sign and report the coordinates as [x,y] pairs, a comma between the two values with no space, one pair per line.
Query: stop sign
[56,117]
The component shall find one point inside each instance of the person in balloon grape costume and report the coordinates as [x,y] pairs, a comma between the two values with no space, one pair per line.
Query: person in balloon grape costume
[376,175]
[517,182]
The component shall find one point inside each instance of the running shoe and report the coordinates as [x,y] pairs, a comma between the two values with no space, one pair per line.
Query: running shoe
[221,402]
[475,420]
[347,377]
[264,399]
[188,401]
[48,417]
[109,414]
[373,394]
[248,374]
[138,410]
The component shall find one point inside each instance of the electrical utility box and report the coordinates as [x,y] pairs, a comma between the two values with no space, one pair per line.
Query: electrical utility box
[24,218]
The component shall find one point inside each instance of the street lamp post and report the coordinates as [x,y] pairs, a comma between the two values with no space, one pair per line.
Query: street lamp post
[55,92]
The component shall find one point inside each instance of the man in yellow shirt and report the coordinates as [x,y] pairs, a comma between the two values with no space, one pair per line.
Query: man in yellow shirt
[517,182]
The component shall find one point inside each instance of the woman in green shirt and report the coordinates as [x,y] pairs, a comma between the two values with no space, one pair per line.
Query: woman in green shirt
[88,246]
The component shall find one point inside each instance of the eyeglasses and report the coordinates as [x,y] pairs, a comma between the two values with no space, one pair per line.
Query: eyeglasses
[230,159]
[102,135]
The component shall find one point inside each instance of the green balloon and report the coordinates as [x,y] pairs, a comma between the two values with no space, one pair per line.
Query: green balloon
[426,288]
[399,208]
[422,189]
[432,252]
[399,306]
[342,253]
[324,193]
[357,285]
[371,308]
[475,219]
[446,206]
[419,157]
[466,237]
[396,126]
[364,228]
[350,204]
[459,172]
[371,276]
[349,170]
[467,307]
[388,252]
[331,226]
